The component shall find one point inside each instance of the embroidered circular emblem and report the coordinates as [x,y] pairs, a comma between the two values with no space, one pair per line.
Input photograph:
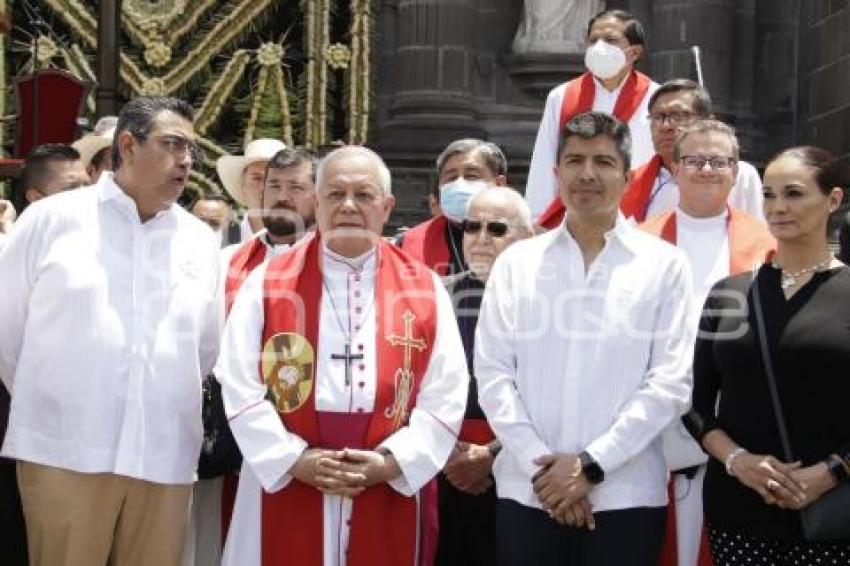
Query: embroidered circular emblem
[287,366]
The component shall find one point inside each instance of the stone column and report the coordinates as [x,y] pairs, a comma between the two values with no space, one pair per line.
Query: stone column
[432,64]
[108,60]
[709,24]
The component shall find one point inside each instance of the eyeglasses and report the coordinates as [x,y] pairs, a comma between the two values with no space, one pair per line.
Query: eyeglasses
[675,118]
[697,162]
[179,146]
[495,228]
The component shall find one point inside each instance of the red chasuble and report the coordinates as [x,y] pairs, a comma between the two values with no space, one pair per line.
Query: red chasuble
[749,245]
[427,243]
[384,523]
[578,98]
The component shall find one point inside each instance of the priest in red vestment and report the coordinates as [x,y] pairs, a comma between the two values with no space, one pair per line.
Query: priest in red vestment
[616,40]
[718,240]
[345,383]
[464,168]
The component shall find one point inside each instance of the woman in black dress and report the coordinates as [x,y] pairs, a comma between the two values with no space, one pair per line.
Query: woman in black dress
[751,496]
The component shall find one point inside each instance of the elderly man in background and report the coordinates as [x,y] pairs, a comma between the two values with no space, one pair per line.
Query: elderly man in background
[497,217]
[243,176]
[109,323]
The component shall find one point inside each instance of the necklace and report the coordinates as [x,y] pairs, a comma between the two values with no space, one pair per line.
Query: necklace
[789,279]
[347,357]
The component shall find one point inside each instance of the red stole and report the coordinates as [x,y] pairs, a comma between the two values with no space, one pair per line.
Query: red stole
[633,204]
[749,244]
[384,523]
[636,198]
[578,98]
[248,256]
[427,243]
[749,240]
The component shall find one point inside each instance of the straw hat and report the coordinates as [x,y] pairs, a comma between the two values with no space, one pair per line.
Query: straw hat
[230,167]
[90,144]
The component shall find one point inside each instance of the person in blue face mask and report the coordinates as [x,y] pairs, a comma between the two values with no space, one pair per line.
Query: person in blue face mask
[464,168]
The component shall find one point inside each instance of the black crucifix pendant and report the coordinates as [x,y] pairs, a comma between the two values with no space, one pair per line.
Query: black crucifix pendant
[349,358]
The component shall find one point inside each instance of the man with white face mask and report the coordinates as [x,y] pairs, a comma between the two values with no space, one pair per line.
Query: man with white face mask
[615,41]
[464,168]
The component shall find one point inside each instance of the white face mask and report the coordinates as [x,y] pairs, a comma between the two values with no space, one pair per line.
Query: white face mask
[604,60]
[455,197]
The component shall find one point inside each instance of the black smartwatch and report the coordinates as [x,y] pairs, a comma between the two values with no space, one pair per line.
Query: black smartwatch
[591,468]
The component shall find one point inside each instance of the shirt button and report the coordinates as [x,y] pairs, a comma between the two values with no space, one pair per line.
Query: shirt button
[362,384]
[360,346]
[357,277]
[358,310]
[359,409]
[357,294]
[361,367]
[357,327]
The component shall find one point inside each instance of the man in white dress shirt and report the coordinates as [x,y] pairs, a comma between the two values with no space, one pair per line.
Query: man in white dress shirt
[359,393]
[109,323]
[581,355]
[615,40]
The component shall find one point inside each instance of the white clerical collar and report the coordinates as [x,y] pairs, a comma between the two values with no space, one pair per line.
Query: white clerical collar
[354,263]
[688,222]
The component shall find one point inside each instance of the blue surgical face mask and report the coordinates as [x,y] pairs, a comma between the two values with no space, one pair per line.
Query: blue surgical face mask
[455,197]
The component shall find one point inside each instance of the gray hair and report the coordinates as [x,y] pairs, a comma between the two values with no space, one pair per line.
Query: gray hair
[384,177]
[494,158]
[705,127]
[523,212]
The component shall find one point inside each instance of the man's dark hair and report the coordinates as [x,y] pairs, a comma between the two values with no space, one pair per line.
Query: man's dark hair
[210,197]
[588,125]
[290,157]
[36,164]
[702,100]
[633,29]
[137,117]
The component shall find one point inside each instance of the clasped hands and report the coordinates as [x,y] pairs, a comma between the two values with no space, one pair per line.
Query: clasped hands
[468,468]
[789,486]
[347,472]
[562,489]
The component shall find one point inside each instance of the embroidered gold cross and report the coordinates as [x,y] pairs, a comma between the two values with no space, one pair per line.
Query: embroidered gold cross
[404,375]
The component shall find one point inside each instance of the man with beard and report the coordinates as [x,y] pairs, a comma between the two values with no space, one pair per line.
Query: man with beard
[288,212]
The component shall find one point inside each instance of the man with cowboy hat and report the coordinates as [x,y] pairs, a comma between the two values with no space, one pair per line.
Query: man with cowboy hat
[243,177]
[95,148]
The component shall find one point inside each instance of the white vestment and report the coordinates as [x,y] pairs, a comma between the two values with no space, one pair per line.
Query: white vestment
[421,447]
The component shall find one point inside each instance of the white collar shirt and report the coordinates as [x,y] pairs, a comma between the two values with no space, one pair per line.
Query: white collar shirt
[568,360]
[108,326]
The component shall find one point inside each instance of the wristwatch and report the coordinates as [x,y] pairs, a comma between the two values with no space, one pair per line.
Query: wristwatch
[835,465]
[591,468]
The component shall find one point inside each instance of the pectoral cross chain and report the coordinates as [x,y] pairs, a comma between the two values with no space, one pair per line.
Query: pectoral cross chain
[349,359]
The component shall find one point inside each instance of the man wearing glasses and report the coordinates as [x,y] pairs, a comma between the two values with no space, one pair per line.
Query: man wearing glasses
[497,218]
[718,240]
[109,322]
[652,190]
[582,352]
